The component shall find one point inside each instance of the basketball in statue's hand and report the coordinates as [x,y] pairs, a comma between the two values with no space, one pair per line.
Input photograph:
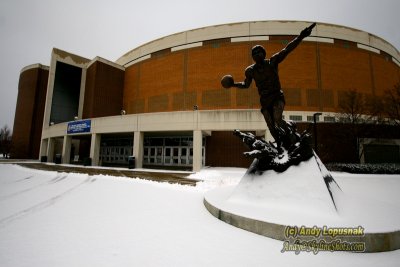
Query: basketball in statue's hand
[227,81]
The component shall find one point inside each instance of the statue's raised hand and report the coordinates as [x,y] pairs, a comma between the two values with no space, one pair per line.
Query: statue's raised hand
[307,31]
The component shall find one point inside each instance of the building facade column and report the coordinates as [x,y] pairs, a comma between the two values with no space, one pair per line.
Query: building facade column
[50,150]
[138,140]
[43,148]
[197,150]
[95,149]
[66,150]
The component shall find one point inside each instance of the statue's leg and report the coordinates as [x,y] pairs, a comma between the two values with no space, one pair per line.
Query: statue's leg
[288,133]
[269,119]
[278,107]
[281,125]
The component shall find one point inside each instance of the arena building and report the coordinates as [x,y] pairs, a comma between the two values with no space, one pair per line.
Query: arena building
[163,102]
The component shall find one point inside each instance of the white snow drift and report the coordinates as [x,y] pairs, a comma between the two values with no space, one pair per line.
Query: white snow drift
[59,219]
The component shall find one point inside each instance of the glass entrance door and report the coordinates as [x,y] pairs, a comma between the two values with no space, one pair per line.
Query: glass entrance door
[172,155]
[172,151]
[184,155]
[153,155]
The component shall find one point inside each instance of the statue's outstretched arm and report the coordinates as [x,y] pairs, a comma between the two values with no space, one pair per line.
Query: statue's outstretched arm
[280,56]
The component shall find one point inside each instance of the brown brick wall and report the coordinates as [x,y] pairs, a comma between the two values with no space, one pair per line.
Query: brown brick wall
[29,113]
[385,73]
[337,141]
[345,68]
[103,91]
[311,76]
[223,149]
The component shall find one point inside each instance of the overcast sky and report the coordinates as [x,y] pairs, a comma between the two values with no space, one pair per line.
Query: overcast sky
[29,29]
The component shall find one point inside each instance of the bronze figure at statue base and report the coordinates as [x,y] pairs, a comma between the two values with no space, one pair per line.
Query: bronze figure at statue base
[296,148]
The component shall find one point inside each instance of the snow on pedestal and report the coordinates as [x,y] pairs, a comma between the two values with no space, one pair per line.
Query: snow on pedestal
[299,188]
[305,194]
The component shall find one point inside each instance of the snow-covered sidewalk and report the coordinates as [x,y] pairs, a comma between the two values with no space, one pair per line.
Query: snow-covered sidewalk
[59,219]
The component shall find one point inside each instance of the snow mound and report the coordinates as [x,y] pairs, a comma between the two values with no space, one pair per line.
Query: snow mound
[301,187]
[305,194]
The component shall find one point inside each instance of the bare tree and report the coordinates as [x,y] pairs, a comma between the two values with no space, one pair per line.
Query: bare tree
[5,140]
[352,106]
[358,110]
[355,111]
[391,104]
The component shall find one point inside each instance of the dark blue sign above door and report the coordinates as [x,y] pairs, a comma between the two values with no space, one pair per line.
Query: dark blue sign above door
[79,127]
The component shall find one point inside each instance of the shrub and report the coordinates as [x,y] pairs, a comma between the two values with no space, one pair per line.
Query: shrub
[368,168]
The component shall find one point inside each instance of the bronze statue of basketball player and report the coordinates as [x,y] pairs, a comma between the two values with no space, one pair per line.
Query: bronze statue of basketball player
[265,74]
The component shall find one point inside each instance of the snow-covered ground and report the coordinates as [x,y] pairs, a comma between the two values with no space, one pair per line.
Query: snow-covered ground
[299,196]
[59,219]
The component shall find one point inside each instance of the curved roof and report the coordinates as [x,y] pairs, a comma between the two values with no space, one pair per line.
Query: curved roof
[259,30]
